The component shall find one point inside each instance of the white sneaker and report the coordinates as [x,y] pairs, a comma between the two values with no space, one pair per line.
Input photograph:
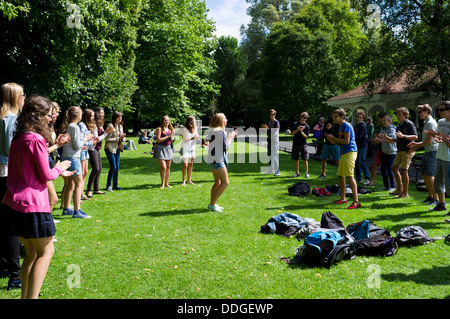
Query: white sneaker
[215,208]
[366,182]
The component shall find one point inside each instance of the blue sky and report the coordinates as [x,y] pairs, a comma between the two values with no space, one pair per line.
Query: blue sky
[228,15]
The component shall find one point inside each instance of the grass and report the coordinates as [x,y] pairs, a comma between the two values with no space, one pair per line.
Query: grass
[147,243]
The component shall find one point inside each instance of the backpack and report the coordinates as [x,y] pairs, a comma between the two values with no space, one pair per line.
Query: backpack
[413,235]
[299,189]
[378,245]
[366,229]
[324,249]
[319,192]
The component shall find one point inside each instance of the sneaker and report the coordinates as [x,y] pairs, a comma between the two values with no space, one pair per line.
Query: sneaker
[434,202]
[117,188]
[428,200]
[322,176]
[366,182]
[277,173]
[296,175]
[215,208]
[353,206]
[4,273]
[67,211]
[306,175]
[14,283]
[439,207]
[391,189]
[80,214]
[109,189]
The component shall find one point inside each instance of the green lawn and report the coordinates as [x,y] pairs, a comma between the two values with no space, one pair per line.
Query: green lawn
[147,243]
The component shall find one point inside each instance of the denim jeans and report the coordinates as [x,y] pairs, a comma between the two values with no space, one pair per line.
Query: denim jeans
[360,164]
[387,161]
[113,173]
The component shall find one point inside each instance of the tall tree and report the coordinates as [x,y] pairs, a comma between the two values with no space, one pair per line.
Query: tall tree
[174,60]
[229,75]
[311,58]
[79,53]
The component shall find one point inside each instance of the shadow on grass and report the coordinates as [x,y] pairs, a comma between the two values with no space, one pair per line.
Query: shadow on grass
[176,212]
[438,275]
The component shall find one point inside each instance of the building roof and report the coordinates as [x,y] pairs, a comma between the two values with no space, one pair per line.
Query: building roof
[398,85]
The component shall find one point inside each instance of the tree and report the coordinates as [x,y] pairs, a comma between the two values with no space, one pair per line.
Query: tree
[229,75]
[174,60]
[76,54]
[314,56]
[414,37]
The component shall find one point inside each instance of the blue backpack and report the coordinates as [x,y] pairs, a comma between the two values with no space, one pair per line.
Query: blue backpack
[325,248]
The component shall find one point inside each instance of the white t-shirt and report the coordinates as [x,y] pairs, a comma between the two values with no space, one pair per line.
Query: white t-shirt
[443,152]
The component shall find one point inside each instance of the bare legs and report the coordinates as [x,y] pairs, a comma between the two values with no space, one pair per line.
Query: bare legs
[221,182]
[164,172]
[39,253]
[188,164]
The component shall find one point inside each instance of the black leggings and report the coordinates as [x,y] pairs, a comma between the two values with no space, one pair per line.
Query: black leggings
[9,242]
[96,168]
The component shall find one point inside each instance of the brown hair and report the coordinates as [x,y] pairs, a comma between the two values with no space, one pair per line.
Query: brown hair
[87,120]
[29,119]
[190,124]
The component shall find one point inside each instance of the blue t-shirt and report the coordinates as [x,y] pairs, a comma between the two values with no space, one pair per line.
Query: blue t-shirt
[347,128]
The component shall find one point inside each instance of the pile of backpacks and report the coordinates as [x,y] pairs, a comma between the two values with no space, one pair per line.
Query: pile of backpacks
[329,242]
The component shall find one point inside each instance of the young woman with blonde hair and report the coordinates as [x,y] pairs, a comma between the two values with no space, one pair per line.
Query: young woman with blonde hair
[217,157]
[163,149]
[11,105]
[71,151]
[190,136]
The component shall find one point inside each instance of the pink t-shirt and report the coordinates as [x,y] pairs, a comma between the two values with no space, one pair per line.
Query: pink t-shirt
[28,174]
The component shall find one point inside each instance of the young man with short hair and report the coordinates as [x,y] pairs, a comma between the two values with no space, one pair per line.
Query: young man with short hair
[273,130]
[428,162]
[300,130]
[406,132]
[441,178]
[349,152]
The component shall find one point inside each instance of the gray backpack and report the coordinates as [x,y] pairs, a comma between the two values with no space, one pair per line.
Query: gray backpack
[413,235]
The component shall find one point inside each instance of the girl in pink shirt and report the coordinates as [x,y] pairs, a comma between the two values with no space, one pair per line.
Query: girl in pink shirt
[27,194]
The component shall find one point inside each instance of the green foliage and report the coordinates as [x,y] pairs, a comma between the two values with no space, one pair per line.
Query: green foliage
[311,58]
[173,61]
[76,53]
[11,9]
[229,75]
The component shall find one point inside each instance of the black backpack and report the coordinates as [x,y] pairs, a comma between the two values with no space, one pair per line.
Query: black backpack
[378,245]
[366,229]
[327,252]
[299,189]
[412,236]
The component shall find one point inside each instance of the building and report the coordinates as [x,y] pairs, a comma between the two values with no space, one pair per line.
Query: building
[389,96]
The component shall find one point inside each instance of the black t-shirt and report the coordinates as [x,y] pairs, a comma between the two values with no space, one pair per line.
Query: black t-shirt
[334,130]
[298,137]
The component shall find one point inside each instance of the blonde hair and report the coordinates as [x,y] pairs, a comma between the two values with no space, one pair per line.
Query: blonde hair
[11,92]
[218,121]
[425,107]
[304,114]
[404,111]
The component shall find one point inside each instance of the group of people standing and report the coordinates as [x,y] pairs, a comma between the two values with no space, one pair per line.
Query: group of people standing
[34,152]
[396,145]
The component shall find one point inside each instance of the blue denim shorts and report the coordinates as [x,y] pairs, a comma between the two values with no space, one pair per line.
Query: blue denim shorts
[220,165]
[75,165]
[84,155]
